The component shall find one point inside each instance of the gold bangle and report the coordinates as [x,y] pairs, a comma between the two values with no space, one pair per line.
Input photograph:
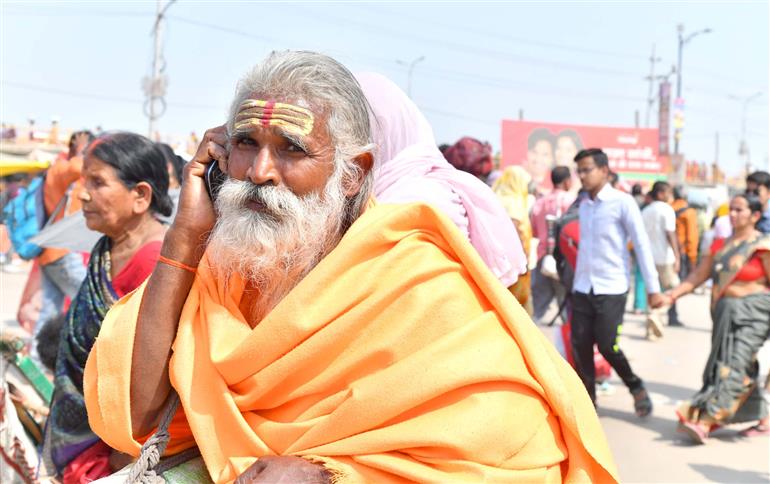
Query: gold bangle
[173,263]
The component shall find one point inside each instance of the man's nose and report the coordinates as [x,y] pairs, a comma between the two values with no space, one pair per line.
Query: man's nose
[263,169]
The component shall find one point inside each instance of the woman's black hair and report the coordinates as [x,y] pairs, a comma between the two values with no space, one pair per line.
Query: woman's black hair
[177,162]
[754,202]
[136,159]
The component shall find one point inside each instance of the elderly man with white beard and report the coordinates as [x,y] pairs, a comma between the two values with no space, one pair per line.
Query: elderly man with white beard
[310,334]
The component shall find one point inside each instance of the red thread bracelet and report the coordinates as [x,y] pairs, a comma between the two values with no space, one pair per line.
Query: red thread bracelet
[177,264]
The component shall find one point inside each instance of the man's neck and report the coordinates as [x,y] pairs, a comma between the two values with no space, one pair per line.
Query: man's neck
[594,193]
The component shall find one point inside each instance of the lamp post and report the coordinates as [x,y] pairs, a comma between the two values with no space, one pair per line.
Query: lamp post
[683,40]
[410,67]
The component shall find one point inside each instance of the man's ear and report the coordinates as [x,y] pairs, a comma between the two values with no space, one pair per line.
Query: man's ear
[365,162]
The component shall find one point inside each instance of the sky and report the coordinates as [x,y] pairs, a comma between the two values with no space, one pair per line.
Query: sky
[561,62]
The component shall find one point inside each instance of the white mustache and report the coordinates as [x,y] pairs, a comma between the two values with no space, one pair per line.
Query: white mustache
[278,202]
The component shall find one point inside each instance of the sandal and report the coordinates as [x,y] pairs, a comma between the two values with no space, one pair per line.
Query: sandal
[642,402]
[758,430]
[680,414]
[694,431]
[654,325]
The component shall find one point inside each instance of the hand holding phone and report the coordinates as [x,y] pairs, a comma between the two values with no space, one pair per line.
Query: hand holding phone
[213,179]
[195,215]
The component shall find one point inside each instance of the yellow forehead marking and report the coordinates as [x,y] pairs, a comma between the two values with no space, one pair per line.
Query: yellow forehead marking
[258,112]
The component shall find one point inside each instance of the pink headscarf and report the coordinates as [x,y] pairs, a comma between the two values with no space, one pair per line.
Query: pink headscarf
[408,167]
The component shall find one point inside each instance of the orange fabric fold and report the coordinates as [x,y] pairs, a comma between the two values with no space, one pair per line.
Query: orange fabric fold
[400,357]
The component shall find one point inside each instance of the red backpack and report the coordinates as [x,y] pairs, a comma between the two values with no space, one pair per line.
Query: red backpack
[569,239]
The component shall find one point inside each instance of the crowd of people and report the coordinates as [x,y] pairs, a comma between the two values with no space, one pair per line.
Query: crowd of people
[354,302]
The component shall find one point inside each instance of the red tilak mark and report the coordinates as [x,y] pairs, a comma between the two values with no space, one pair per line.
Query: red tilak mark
[268,113]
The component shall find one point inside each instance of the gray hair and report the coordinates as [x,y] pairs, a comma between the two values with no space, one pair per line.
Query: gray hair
[325,83]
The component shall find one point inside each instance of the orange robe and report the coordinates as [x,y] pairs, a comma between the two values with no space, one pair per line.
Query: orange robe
[399,357]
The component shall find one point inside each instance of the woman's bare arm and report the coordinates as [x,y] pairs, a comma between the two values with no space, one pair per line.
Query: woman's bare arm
[695,279]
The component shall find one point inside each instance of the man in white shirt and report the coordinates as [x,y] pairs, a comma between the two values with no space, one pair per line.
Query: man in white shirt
[660,222]
[608,219]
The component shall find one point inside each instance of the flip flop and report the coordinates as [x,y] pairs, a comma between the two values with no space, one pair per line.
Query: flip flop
[683,419]
[694,431]
[654,325]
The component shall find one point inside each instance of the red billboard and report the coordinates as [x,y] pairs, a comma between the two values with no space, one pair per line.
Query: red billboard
[632,152]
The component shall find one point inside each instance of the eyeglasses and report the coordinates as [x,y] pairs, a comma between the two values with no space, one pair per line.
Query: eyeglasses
[585,171]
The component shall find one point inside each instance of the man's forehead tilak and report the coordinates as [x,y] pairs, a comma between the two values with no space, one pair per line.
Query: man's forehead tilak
[258,112]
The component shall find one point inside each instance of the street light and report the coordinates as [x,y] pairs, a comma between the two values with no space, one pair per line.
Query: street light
[744,146]
[683,40]
[410,66]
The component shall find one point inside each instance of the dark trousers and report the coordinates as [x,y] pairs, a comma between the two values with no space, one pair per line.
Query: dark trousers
[596,319]
[685,267]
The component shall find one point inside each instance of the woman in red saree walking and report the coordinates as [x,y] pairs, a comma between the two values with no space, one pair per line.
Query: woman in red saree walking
[740,306]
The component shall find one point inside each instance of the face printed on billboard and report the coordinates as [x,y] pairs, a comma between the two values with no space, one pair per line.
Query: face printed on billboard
[540,154]
[568,143]
[632,152]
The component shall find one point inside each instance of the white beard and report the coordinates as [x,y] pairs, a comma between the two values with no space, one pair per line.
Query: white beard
[275,247]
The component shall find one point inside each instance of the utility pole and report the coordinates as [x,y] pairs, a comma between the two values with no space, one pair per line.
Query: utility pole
[155,86]
[679,102]
[664,113]
[410,67]
[651,78]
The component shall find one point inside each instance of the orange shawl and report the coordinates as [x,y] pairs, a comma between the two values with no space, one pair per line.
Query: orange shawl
[400,357]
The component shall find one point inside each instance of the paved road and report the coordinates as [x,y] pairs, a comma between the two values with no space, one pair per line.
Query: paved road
[651,450]
[647,450]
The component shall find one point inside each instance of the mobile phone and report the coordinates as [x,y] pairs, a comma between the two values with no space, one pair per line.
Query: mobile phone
[213,179]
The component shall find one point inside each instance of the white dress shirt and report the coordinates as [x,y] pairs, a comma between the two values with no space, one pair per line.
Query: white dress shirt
[659,219]
[603,262]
